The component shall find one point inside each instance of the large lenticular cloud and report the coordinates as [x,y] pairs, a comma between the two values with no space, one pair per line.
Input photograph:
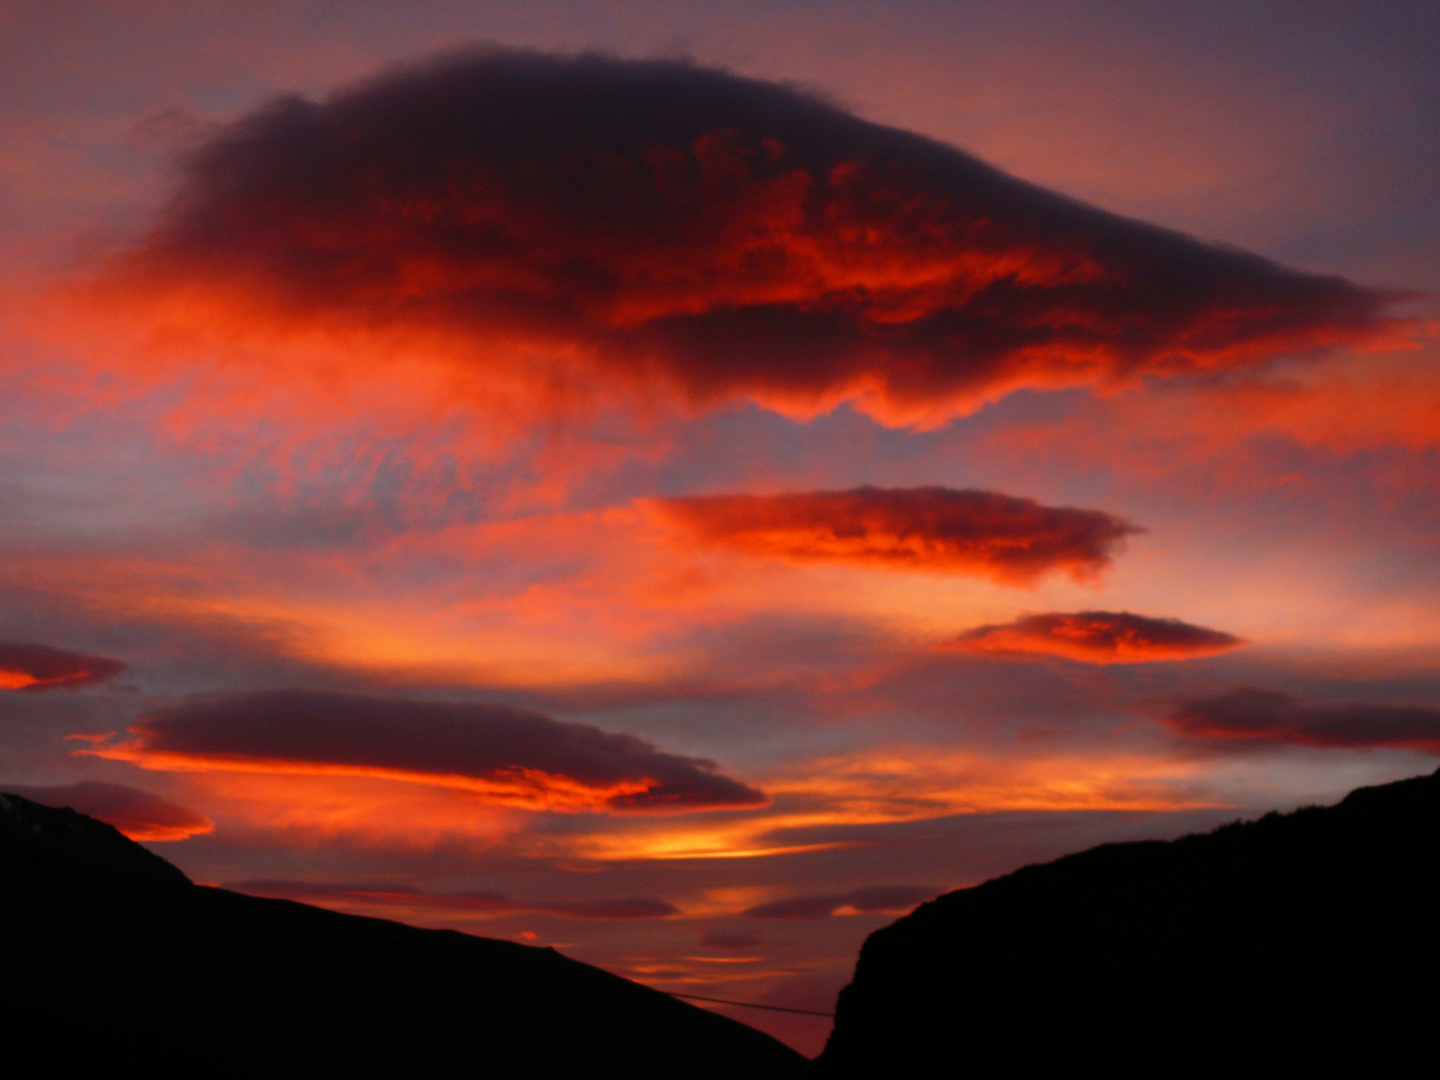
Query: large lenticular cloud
[1097,637]
[665,230]
[510,756]
[941,530]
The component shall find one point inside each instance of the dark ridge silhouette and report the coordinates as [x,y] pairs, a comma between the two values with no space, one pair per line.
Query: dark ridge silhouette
[65,837]
[112,948]
[1302,944]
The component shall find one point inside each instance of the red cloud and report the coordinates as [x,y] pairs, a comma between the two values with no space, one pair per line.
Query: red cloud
[1097,637]
[514,757]
[24,666]
[594,224]
[1011,540]
[394,896]
[137,814]
[1267,716]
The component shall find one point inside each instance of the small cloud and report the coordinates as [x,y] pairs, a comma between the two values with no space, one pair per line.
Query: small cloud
[1247,715]
[1097,637]
[888,899]
[730,941]
[939,530]
[26,666]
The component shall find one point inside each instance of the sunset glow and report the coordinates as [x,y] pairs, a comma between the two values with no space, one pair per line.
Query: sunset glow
[688,511]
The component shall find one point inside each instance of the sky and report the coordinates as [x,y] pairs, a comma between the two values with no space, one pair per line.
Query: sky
[686,483]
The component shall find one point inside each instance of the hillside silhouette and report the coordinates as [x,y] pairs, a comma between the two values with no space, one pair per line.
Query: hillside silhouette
[112,958]
[1299,944]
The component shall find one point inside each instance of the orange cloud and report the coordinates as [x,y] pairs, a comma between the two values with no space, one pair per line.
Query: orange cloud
[1010,540]
[138,814]
[1097,637]
[568,228]
[817,805]
[25,666]
[508,756]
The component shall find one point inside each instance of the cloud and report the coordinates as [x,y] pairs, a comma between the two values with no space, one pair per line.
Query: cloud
[138,814]
[935,529]
[593,224]
[730,941]
[1268,716]
[25,666]
[506,755]
[1097,637]
[389,896]
[873,900]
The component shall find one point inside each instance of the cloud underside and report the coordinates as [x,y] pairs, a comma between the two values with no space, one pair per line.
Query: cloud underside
[671,231]
[1099,637]
[138,814]
[27,666]
[502,755]
[1011,540]
[1249,716]
[389,896]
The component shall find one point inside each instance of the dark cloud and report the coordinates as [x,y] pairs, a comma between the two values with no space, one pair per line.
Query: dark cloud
[626,907]
[932,528]
[730,941]
[508,754]
[395,896]
[138,814]
[25,666]
[605,223]
[1267,716]
[875,899]
[1101,637]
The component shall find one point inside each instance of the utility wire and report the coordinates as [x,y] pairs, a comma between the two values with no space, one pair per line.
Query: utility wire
[752,1005]
[219,897]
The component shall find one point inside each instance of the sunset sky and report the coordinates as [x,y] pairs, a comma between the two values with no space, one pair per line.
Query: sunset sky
[685,483]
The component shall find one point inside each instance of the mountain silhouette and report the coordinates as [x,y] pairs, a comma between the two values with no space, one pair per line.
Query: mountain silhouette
[1299,944]
[112,958]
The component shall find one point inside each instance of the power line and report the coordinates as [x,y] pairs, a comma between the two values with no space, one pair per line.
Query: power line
[218,897]
[752,1005]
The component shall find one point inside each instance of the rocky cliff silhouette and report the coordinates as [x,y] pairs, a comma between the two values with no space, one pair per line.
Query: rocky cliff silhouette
[110,957]
[1299,944]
